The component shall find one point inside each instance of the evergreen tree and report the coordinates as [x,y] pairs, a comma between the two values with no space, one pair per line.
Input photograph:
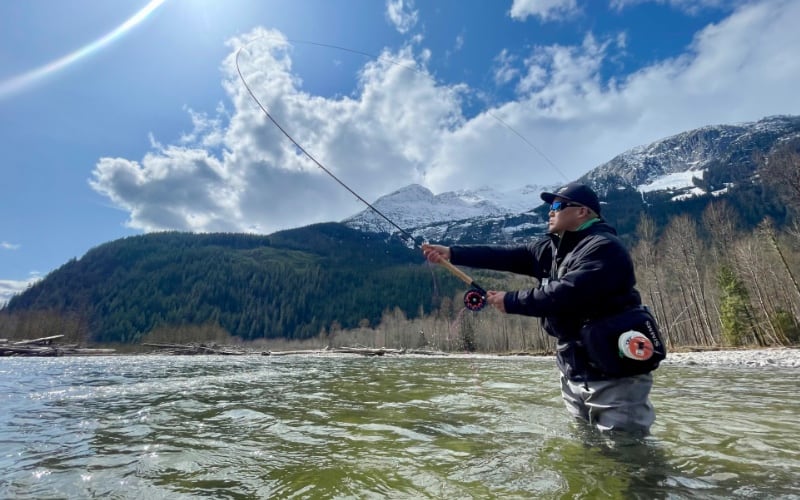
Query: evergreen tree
[733,307]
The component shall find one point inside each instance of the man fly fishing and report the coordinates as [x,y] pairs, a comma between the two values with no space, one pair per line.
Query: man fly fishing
[607,342]
[586,299]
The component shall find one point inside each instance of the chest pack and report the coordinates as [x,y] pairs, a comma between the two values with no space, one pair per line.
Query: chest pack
[624,344]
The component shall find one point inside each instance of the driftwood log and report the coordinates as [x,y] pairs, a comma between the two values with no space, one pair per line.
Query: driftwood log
[367,351]
[195,349]
[363,351]
[46,346]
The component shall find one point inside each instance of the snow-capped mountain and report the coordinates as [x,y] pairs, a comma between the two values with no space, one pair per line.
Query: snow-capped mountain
[678,162]
[706,161]
[444,216]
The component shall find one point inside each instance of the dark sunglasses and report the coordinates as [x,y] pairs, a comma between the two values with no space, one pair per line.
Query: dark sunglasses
[558,206]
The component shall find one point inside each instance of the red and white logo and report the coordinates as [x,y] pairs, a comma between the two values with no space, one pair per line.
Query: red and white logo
[635,345]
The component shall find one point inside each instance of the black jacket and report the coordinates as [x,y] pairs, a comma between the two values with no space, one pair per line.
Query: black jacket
[586,274]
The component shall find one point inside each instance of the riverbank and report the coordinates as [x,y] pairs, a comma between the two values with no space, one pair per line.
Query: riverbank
[788,357]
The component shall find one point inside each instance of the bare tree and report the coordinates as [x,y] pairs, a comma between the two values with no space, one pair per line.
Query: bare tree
[645,256]
[683,256]
[44,323]
[767,229]
[720,221]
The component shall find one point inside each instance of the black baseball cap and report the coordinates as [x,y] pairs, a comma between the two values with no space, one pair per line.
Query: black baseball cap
[575,192]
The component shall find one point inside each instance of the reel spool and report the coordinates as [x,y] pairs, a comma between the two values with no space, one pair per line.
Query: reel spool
[474,300]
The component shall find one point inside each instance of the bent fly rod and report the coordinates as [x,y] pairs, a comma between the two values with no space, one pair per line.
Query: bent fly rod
[474,298]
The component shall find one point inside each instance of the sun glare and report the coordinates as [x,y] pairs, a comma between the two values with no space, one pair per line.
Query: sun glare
[19,82]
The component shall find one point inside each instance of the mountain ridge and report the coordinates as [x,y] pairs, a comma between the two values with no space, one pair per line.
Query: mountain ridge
[705,161]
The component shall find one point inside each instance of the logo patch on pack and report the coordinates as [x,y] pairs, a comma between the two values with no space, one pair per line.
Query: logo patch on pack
[624,344]
[635,345]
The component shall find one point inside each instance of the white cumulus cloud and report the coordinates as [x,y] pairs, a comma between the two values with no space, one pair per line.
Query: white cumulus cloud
[547,10]
[9,288]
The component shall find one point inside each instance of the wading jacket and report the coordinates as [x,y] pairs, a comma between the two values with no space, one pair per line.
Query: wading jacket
[585,274]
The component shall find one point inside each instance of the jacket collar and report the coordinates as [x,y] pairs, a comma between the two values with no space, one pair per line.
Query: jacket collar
[570,239]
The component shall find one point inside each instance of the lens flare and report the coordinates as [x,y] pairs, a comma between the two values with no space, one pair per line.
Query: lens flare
[24,80]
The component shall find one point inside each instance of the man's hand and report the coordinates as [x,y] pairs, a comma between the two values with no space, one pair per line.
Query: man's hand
[435,253]
[496,299]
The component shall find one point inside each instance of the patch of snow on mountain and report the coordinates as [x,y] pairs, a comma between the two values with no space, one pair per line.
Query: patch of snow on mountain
[520,227]
[720,192]
[688,194]
[677,180]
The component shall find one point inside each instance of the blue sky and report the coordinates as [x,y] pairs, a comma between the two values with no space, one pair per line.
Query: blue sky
[125,117]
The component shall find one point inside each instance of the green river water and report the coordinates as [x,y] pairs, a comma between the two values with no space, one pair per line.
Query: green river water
[383,427]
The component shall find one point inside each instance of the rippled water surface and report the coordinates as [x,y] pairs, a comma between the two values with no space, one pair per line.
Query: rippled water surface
[399,427]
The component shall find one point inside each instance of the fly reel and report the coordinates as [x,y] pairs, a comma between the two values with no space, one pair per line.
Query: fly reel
[474,299]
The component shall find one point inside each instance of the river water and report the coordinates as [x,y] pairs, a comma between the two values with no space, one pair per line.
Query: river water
[396,427]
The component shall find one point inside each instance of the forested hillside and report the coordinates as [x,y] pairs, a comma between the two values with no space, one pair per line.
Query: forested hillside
[293,284]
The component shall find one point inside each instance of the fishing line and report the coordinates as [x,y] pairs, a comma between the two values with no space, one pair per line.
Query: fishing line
[475,297]
[421,72]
